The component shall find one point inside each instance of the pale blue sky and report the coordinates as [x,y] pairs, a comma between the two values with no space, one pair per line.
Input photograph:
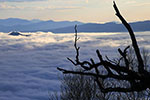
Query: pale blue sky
[79,10]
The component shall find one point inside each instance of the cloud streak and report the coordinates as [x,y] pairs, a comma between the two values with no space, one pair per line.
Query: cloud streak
[10,7]
[14,7]
[57,8]
[142,4]
[21,0]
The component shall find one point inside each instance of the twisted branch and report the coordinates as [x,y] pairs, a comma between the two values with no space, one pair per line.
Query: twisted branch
[138,80]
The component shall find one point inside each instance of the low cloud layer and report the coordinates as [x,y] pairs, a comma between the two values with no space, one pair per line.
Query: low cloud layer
[28,64]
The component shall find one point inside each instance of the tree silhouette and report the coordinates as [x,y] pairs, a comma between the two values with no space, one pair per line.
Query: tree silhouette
[136,76]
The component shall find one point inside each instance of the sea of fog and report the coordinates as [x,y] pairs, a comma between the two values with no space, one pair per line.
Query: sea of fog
[28,65]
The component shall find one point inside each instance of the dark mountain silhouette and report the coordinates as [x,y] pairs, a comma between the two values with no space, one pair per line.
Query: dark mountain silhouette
[106,27]
[15,33]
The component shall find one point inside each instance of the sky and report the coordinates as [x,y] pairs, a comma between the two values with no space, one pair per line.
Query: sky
[98,11]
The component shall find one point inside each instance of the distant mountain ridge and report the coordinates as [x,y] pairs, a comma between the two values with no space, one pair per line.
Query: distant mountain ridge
[22,25]
[106,27]
[16,24]
[14,21]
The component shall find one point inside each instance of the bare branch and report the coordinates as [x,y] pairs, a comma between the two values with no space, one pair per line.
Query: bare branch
[138,80]
[134,42]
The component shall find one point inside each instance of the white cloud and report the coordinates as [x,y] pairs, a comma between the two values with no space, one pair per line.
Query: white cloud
[11,7]
[28,64]
[142,4]
[57,8]
[20,0]
[131,2]
[7,7]
[136,3]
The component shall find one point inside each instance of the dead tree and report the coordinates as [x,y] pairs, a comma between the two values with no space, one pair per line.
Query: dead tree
[138,80]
